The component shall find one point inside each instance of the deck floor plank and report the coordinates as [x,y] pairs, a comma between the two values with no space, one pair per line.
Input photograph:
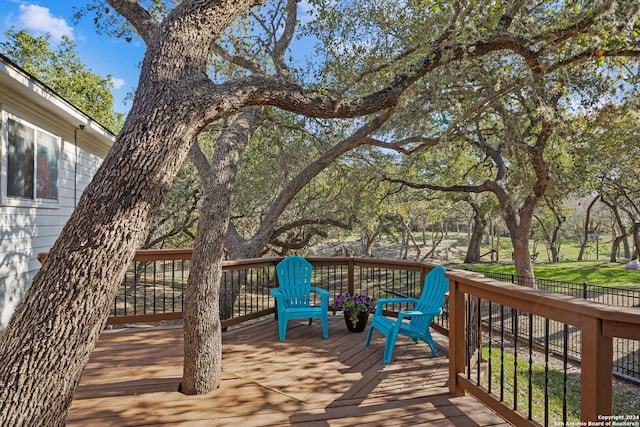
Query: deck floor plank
[133,375]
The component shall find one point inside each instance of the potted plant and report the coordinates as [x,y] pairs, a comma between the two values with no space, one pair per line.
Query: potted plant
[356,309]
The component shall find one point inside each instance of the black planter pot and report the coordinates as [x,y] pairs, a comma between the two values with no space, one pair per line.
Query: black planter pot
[362,321]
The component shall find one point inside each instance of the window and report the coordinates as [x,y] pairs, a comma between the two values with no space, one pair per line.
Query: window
[30,163]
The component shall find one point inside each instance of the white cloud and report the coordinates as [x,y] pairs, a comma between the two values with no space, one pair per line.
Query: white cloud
[117,83]
[39,20]
[303,11]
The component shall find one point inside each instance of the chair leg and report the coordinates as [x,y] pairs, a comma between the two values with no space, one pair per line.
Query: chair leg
[282,328]
[368,341]
[389,345]
[325,326]
[433,349]
[432,344]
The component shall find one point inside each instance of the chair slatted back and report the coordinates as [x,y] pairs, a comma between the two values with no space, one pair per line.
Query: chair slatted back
[432,297]
[294,280]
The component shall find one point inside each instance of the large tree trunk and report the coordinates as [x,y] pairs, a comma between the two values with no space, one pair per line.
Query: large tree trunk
[519,226]
[68,302]
[473,249]
[622,238]
[522,260]
[615,247]
[636,240]
[202,332]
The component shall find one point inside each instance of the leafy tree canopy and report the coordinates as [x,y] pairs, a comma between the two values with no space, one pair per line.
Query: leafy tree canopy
[61,69]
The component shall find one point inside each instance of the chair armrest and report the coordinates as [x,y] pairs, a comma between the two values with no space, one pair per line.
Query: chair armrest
[416,313]
[382,301]
[321,291]
[276,292]
[324,296]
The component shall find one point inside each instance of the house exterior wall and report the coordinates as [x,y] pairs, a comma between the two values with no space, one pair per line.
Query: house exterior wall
[27,227]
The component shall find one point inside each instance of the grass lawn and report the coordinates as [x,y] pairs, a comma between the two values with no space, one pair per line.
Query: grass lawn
[594,272]
[554,378]
[624,395]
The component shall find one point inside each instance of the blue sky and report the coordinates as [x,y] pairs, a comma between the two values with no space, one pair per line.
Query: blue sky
[103,55]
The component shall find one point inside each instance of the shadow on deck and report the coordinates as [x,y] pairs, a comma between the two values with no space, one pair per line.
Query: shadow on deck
[133,375]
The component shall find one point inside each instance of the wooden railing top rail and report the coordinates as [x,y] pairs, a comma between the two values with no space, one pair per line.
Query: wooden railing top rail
[336,261]
[185,254]
[623,322]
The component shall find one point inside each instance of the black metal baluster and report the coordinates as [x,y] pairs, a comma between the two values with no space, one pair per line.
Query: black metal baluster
[135,290]
[502,353]
[469,335]
[514,323]
[565,362]
[530,385]
[490,362]
[546,372]
[479,338]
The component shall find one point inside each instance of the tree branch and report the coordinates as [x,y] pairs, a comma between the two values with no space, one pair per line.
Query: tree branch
[199,159]
[284,41]
[288,192]
[303,222]
[238,60]
[485,186]
[137,16]
[507,18]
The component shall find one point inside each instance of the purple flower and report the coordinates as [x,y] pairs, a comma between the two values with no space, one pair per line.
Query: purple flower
[354,305]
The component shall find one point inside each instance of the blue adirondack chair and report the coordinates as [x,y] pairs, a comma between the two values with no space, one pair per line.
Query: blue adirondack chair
[294,295]
[428,306]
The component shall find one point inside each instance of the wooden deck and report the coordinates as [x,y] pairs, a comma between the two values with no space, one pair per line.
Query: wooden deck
[133,376]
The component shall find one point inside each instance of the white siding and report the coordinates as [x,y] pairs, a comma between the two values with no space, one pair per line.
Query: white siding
[26,230]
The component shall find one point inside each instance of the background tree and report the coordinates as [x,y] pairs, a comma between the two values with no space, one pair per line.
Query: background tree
[509,109]
[174,223]
[607,157]
[587,228]
[550,223]
[510,137]
[482,206]
[64,72]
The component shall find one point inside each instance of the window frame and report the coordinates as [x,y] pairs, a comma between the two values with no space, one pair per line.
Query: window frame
[34,201]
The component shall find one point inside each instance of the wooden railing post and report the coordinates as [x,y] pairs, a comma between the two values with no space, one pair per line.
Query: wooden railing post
[456,337]
[351,276]
[596,371]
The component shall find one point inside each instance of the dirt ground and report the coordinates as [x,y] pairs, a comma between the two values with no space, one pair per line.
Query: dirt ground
[451,249]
